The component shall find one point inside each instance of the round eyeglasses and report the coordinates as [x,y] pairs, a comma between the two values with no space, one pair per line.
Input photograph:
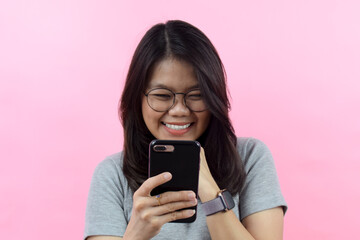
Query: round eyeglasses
[162,99]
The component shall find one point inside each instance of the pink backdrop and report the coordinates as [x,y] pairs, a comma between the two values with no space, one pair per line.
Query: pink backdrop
[294,76]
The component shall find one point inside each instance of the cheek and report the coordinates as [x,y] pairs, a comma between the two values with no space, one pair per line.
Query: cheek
[204,119]
[151,118]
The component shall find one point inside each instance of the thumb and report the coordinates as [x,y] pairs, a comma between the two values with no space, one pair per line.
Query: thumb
[152,182]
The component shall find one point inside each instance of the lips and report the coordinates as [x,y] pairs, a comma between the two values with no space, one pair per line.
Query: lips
[177,129]
[177,126]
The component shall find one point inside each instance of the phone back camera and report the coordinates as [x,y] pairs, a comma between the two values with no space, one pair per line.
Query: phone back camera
[163,148]
[160,148]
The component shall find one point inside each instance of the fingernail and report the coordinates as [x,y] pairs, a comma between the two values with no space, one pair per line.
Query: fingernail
[191,196]
[167,176]
[194,201]
[190,212]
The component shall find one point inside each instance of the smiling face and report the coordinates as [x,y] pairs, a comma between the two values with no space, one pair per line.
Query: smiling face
[179,122]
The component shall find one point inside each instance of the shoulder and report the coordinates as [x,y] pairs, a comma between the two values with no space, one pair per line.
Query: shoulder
[252,150]
[261,190]
[108,179]
[109,170]
[110,163]
[109,199]
[249,144]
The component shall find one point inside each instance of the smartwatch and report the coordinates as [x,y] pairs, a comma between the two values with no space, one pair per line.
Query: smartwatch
[222,203]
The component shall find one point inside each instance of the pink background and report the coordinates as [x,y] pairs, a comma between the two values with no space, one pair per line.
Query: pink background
[293,71]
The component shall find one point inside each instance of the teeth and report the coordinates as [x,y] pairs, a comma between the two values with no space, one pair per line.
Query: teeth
[177,127]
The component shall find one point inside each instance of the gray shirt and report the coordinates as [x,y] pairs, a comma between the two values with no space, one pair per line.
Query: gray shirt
[110,198]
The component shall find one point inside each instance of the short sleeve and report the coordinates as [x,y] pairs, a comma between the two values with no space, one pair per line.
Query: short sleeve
[105,198]
[262,189]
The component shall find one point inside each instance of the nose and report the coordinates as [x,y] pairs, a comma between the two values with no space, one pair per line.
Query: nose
[179,108]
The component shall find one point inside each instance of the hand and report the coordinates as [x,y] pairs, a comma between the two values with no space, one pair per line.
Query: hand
[149,213]
[208,188]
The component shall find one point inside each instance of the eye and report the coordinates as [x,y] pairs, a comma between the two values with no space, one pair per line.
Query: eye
[161,95]
[194,96]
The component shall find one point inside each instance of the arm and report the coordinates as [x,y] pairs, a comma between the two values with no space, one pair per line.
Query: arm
[267,225]
[150,214]
[104,238]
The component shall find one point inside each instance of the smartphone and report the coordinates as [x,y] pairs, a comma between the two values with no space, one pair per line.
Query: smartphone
[182,160]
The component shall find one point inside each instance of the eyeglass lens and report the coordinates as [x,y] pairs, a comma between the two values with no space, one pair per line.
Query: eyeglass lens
[162,99]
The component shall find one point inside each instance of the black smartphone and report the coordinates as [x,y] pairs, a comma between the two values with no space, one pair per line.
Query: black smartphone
[182,160]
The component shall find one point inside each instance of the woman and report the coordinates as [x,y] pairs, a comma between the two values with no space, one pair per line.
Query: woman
[173,63]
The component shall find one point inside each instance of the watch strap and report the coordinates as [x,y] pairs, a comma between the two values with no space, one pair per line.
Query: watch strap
[222,202]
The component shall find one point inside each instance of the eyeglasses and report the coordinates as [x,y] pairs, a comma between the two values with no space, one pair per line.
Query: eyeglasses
[162,99]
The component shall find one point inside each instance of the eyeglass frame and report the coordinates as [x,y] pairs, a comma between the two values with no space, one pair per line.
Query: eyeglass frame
[174,94]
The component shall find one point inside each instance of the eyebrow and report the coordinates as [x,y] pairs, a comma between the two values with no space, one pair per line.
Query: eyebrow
[167,87]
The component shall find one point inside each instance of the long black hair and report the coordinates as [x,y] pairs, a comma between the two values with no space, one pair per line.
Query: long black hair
[182,41]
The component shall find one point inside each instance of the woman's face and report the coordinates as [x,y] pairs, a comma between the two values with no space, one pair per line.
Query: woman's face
[179,122]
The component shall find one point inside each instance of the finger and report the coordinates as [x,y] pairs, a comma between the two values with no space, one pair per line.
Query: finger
[177,196]
[202,156]
[203,162]
[202,151]
[151,183]
[176,216]
[157,198]
[174,206]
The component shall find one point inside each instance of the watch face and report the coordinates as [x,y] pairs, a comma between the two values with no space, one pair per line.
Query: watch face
[228,199]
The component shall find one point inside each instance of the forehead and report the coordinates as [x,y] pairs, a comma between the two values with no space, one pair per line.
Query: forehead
[174,74]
